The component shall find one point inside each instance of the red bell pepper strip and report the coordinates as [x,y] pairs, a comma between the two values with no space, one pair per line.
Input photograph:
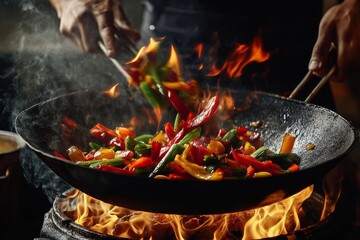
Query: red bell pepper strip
[103,133]
[206,114]
[178,103]
[141,162]
[169,130]
[69,122]
[59,155]
[293,168]
[117,141]
[113,169]
[247,160]
[250,171]
[155,151]
[174,176]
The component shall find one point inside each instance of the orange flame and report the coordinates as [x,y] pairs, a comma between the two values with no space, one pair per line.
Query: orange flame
[241,57]
[113,92]
[269,221]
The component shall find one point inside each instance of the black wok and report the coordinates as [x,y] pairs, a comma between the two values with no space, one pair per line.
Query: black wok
[332,135]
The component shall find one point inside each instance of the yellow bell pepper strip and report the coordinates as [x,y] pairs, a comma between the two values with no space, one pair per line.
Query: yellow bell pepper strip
[249,149]
[170,155]
[287,143]
[123,132]
[104,153]
[216,147]
[159,137]
[262,174]
[178,85]
[197,171]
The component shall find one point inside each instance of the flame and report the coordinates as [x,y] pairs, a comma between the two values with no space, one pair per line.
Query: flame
[173,62]
[113,92]
[241,57]
[269,221]
[199,49]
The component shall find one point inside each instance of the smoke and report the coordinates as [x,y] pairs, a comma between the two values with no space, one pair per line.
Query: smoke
[42,64]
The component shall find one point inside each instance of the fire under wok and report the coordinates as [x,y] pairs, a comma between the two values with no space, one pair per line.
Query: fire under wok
[332,135]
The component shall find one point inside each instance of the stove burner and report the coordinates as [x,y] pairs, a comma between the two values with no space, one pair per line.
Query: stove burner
[57,225]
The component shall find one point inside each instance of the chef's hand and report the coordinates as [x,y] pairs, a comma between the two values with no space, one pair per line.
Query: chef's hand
[84,21]
[339,28]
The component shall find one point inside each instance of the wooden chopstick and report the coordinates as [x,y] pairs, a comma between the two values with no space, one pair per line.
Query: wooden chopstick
[115,62]
[317,88]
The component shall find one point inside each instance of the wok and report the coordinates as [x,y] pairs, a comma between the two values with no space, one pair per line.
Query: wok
[333,136]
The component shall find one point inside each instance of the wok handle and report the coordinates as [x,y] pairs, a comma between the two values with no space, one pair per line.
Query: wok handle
[317,88]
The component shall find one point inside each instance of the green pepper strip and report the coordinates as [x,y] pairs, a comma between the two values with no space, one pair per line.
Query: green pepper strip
[232,138]
[153,73]
[177,122]
[195,133]
[150,96]
[112,162]
[170,155]
[94,146]
[260,152]
[145,138]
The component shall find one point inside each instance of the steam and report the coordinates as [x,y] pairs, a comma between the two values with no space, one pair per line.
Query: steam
[45,64]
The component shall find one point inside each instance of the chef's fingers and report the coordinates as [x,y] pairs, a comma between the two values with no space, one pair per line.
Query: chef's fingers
[88,33]
[320,52]
[105,23]
[77,24]
[122,24]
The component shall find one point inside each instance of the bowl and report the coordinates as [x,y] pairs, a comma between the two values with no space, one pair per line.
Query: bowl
[10,145]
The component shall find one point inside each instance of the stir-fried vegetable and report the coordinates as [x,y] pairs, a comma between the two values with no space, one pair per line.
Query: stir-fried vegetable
[181,152]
